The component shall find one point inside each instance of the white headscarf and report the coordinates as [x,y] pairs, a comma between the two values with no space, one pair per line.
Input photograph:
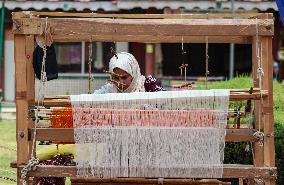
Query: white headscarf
[128,63]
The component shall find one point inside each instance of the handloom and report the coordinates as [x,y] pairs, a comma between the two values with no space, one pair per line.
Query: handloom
[254,29]
[161,134]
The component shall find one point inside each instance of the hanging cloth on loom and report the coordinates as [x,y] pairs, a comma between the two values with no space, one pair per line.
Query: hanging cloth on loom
[280,5]
[170,134]
[50,62]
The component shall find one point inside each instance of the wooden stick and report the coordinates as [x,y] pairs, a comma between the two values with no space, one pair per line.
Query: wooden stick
[64,101]
[150,39]
[24,46]
[139,16]
[131,181]
[230,171]
[67,135]
[268,118]
[258,150]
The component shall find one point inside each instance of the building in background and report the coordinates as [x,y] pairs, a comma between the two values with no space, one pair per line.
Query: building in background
[161,60]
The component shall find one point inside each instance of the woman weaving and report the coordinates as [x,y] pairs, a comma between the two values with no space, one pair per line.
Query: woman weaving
[125,78]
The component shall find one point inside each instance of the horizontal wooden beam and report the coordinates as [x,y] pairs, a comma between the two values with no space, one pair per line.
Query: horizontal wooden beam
[27,14]
[244,90]
[135,181]
[148,29]
[64,101]
[157,39]
[229,171]
[67,135]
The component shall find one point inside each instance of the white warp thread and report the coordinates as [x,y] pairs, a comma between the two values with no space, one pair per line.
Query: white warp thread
[137,150]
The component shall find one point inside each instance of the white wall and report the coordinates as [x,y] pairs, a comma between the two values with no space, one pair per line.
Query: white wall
[9,71]
[122,47]
[68,86]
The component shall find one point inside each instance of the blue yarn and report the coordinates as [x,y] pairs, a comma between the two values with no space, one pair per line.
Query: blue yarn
[280,4]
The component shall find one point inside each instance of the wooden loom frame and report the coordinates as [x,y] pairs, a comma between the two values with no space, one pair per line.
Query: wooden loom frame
[155,28]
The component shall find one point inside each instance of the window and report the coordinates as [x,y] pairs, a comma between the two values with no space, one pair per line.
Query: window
[69,57]
[73,58]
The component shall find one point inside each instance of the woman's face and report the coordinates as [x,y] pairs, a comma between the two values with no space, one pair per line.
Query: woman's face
[122,77]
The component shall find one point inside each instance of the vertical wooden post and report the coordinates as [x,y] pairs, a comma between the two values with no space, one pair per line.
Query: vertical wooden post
[30,44]
[24,46]
[258,150]
[268,128]
[241,181]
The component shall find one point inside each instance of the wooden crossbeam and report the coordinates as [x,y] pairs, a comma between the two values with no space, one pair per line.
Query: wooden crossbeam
[67,135]
[143,181]
[150,39]
[64,101]
[148,30]
[230,171]
[246,15]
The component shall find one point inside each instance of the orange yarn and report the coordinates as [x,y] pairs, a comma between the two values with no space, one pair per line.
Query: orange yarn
[61,118]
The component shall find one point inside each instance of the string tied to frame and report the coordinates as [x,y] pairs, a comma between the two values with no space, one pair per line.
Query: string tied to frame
[260,74]
[183,66]
[90,61]
[259,181]
[259,136]
[206,61]
[29,167]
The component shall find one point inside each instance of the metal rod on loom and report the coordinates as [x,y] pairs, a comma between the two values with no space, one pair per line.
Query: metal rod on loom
[248,90]
[231,114]
[64,101]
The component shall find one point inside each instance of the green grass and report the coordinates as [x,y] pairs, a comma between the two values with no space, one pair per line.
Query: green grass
[236,83]
[278,90]
[246,82]
[7,151]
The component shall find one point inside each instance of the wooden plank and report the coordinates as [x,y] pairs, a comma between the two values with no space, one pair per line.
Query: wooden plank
[141,16]
[229,171]
[157,39]
[149,28]
[241,181]
[21,103]
[258,150]
[269,159]
[268,127]
[27,26]
[30,79]
[130,181]
[135,183]
[22,124]
[67,135]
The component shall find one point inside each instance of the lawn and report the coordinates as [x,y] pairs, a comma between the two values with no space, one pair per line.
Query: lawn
[8,135]
[7,151]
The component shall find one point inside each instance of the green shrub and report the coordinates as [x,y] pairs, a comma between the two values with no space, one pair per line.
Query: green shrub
[235,153]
